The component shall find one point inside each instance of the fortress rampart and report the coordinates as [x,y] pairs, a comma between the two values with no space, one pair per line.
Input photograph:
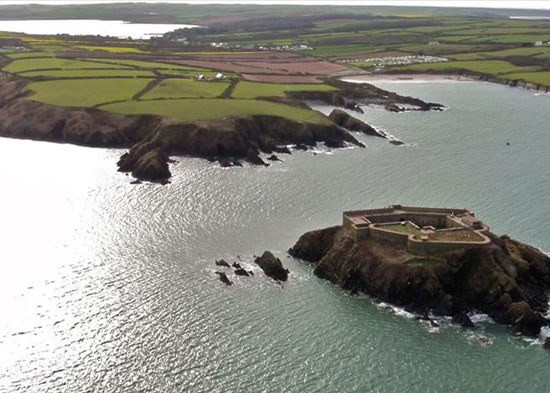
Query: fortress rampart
[422,230]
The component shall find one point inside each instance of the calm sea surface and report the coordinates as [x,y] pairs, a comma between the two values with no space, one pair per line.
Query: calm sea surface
[109,287]
[112,28]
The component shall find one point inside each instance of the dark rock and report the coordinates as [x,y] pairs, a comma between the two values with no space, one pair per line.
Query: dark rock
[396,142]
[282,150]
[273,157]
[272,266]
[137,181]
[394,108]
[546,344]
[241,272]
[254,158]
[351,123]
[301,146]
[225,163]
[237,265]
[463,320]
[223,278]
[222,262]
[524,319]
[237,163]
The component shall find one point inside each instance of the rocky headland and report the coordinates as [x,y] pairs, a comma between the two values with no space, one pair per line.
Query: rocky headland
[508,280]
[151,140]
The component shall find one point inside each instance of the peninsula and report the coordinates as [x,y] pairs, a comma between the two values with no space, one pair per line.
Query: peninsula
[439,260]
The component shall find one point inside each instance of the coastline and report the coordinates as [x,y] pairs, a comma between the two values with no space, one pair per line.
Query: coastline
[444,78]
[423,77]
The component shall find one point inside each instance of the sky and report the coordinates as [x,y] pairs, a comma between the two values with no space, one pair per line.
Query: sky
[523,4]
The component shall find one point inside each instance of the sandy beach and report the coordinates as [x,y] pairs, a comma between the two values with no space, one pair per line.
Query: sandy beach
[407,77]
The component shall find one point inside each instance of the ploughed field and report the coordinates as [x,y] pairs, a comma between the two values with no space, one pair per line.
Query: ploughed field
[182,87]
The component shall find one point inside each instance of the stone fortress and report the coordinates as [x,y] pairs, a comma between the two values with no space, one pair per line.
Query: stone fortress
[421,230]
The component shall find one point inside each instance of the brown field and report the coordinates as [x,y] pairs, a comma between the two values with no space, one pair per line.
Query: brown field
[272,63]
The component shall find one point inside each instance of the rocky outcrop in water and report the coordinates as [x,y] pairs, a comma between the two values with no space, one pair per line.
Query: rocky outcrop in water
[272,266]
[508,280]
[353,95]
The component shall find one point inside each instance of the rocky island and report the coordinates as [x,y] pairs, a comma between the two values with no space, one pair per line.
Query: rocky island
[436,260]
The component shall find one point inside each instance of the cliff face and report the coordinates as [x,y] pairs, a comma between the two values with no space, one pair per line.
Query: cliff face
[508,280]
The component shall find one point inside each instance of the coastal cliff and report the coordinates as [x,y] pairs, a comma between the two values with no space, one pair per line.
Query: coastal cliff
[152,140]
[508,280]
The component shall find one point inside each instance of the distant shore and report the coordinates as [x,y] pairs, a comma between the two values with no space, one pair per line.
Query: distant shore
[407,77]
[437,77]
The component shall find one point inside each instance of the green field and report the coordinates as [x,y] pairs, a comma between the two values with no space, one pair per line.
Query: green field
[190,110]
[146,64]
[254,89]
[88,73]
[86,92]
[186,88]
[53,63]
[23,55]
[539,78]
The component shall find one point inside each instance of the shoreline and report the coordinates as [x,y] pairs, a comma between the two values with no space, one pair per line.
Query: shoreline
[423,77]
[444,78]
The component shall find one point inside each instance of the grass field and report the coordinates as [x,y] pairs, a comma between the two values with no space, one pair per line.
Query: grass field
[186,88]
[23,55]
[86,92]
[110,49]
[539,78]
[53,63]
[88,73]
[254,89]
[190,110]
[146,64]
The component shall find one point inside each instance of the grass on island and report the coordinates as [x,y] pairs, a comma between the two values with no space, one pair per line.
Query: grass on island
[460,235]
[186,88]
[256,89]
[23,65]
[190,110]
[88,73]
[86,92]
[407,228]
[492,67]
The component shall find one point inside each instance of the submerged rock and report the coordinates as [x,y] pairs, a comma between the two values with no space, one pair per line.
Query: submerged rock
[273,157]
[272,266]
[223,278]
[222,262]
[241,272]
[463,320]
